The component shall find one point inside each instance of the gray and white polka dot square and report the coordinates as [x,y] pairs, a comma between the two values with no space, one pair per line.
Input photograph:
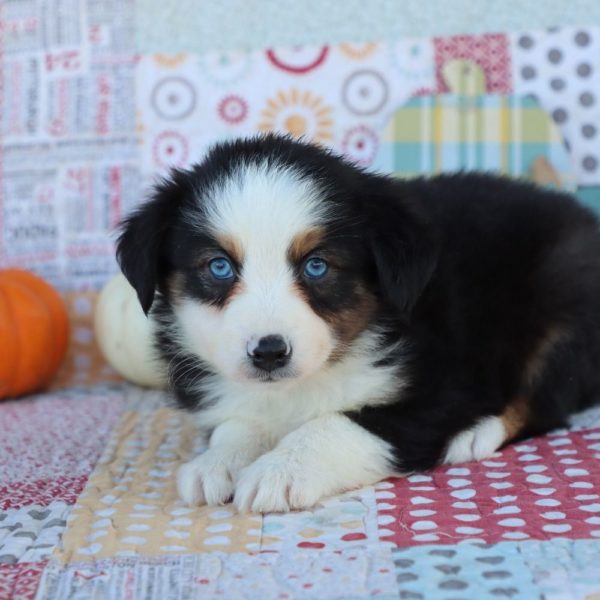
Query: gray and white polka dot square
[561,68]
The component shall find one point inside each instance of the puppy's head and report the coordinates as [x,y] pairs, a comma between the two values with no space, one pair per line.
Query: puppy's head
[274,256]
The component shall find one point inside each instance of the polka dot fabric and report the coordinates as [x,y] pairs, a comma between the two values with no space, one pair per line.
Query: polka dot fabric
[130,505]
[542,489]
[346,521]
[561,68]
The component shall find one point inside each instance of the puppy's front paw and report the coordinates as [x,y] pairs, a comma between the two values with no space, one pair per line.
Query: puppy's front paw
[205,480]
[278,482]
[476,443]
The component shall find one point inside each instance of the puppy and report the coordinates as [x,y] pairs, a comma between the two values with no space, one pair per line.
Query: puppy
[331,327]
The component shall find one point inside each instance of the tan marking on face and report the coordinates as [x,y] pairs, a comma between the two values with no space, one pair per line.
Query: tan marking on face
[547,343]
[233,248]
[515,416]
[349,323]
[304,243]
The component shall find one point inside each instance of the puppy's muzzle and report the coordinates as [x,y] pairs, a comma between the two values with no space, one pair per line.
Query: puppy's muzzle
[270,353]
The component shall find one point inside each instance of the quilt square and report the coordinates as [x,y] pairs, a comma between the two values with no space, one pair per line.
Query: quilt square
[51,443]
[545,488]
[130,507]
[490,50]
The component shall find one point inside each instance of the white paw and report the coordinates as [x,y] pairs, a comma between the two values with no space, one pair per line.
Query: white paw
[205,480]
[278,482]
[477,443]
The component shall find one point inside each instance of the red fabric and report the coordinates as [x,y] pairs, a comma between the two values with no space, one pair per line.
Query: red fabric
[491,51]
[41,492]
[548,487]
[20,581]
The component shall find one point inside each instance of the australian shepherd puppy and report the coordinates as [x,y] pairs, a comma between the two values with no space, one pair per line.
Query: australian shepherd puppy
[330,327]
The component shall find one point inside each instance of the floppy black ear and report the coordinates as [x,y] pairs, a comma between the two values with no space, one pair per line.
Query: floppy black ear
[140,244]
[404,248]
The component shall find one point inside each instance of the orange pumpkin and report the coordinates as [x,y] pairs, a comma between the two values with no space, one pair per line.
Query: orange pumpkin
[34,332]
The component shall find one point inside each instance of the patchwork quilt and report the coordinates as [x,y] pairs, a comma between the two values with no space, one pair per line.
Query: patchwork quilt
[88,509]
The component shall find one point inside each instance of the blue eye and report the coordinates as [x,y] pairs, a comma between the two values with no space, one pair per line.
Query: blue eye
[315,268]
[220,268]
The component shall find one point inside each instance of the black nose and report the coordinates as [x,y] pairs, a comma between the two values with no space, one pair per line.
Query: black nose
[271,353]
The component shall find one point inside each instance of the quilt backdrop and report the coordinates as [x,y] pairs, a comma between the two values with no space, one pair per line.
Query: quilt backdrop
[88,507]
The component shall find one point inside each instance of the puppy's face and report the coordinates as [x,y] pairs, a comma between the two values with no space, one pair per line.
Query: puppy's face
[261,287]
[266,258]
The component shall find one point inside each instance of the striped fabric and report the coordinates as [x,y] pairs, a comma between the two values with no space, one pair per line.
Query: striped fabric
[432,134]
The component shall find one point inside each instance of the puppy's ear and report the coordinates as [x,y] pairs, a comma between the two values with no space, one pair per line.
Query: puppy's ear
[403,245]
[140,244]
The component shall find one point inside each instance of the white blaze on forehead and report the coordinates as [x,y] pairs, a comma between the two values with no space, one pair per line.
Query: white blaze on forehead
[263,208]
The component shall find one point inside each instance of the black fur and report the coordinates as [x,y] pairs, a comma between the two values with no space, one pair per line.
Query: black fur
[513,262]
[142,245]
[474,272]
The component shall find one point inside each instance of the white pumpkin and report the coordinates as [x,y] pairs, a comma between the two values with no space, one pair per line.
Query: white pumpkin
[124,335]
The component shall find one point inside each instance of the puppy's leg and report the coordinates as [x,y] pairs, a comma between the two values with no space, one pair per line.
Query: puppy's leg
[488,435]
[208,479]
[323,457]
